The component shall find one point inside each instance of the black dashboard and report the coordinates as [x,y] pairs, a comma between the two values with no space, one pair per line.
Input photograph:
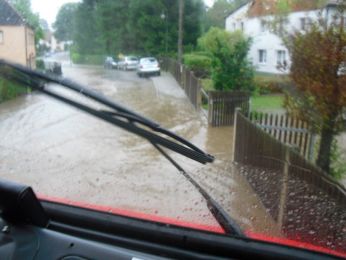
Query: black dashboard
[33,229]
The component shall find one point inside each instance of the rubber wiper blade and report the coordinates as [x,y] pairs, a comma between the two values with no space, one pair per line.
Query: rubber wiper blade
[115,115]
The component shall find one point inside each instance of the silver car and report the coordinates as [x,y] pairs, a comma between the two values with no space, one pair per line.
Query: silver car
[110,63]
[128,63]
[148,66]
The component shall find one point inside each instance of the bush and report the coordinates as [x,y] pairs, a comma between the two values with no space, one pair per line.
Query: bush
[91,59]
[207,84]
[9,90]
[271,84]
[231,69]
[40,64]
[199,64]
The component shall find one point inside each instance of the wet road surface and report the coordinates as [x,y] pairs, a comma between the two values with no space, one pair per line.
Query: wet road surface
[62,152]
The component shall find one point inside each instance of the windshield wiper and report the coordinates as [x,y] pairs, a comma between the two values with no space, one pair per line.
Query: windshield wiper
[115,115]
[133,123]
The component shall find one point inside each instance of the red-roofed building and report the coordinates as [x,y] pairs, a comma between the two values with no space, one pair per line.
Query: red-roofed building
[268,50]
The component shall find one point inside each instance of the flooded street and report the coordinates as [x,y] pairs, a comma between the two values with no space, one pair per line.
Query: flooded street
[62,152]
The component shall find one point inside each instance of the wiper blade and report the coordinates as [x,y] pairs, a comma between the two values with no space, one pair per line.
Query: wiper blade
[115,115]
[225,221]
[133,122]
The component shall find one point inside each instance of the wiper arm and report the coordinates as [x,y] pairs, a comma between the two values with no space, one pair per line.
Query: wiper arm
[134,122]
[116,115]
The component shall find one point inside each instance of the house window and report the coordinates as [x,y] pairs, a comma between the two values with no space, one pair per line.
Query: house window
[242,26]
[1,37]
[305,23]
[234,26]
[264,26]
[281,57]
[262,56]
[302,23]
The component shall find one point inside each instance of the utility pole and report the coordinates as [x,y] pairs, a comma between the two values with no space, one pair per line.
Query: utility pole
[181,31]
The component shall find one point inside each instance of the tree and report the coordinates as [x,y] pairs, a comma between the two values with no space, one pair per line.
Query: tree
[147,26]
[231,69]
[86,35]
[64,23]
[318,59]
[134,26]
[318,72]
[181,31]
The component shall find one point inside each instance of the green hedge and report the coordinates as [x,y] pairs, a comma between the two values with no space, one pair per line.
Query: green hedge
[91,59]
[270,84]
[199,63]
[10,90]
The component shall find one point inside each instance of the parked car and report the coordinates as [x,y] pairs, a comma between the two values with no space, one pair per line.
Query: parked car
[148,66]
[53,67]
[110,63]
[128,63]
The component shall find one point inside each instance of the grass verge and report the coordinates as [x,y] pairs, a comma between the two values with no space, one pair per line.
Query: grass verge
[267,103]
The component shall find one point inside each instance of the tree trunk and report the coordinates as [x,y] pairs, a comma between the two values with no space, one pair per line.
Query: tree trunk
[324,154]
[181,31]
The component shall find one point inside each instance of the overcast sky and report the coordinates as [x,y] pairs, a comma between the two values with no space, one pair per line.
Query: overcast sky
[48,9]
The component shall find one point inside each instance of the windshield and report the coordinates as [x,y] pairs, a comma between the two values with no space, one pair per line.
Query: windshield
[247,122]
[148,60]
[132,59]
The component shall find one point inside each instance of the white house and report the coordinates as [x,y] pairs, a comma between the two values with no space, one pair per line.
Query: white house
[268,50]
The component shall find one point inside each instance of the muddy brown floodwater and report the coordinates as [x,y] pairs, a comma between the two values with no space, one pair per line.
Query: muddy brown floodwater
[62,152]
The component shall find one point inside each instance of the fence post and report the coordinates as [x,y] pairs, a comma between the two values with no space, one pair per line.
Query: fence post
[237,110]
[199,95]
[312,147]
[210,109]
[284,190]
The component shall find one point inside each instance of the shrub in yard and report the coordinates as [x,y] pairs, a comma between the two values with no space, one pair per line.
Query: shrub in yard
[9,90]
[40,64]
[267,85]
[76,57]
[92,59]
[338,164]
[200,64]
[231,69]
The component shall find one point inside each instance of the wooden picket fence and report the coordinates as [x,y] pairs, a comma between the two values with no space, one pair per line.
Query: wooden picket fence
[186,79]
[222,106]
[254,146]
[299,196]
[287,129]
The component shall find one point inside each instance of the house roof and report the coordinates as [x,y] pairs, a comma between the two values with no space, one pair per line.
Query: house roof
[9,15]
[232,12]
[270,7]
